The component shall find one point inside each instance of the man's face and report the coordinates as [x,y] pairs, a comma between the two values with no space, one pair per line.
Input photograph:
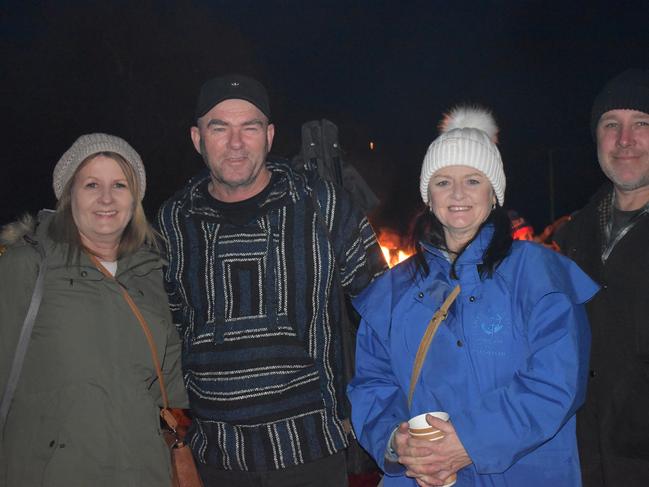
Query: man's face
[623,148]
[234,138]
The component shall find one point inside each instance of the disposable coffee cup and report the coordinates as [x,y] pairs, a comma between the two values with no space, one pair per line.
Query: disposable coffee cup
[419,428]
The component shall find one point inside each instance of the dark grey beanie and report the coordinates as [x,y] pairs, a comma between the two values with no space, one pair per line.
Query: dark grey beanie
[629,90]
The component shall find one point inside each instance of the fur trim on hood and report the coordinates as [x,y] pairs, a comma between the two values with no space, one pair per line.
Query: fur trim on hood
[13,232]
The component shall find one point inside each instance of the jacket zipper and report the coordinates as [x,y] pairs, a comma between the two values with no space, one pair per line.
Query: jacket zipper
[620,235]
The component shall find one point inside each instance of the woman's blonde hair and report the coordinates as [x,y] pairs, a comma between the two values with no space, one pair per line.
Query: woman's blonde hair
[138,232]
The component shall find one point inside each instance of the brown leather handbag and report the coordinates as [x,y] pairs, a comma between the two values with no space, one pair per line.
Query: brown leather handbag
[184,472]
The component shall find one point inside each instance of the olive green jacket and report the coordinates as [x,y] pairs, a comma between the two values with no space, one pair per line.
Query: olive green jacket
[86,409]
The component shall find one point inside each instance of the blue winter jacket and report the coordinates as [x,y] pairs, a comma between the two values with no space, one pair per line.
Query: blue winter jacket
[509,363]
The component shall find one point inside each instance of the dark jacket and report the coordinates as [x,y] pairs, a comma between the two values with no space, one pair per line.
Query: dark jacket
[613,425]
[258,305]
[86,409]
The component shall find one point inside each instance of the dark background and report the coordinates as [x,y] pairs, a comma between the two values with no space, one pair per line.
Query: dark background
[383,71]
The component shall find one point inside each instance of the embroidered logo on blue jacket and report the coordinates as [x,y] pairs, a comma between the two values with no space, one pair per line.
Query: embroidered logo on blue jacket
[487,332]
[492,324]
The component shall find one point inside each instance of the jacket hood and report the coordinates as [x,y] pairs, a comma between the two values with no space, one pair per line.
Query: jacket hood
[286,184]
[33,230]
[14,232]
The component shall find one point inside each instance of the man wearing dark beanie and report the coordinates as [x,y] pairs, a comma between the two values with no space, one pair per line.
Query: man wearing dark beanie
[609,239]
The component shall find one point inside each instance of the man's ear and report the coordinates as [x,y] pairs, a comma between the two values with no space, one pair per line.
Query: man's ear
[270,134]
[195,134]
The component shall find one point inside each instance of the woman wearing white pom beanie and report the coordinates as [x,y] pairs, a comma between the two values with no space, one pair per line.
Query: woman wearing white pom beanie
[508,363]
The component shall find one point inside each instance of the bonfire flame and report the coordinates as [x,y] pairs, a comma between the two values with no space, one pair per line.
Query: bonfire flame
[393,247]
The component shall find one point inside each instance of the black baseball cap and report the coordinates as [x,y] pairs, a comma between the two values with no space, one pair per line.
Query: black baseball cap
[232,86]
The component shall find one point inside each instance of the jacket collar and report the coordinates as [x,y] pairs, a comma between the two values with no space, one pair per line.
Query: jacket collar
[140,263]
[473,254]
[604,201]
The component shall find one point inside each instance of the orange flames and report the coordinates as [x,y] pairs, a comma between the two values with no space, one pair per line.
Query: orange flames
[394,256]
[393,248]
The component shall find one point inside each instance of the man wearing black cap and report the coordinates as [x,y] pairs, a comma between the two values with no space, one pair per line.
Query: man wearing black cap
[609,239]
[260,258]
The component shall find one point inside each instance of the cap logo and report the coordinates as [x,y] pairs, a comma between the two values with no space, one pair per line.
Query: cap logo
[229,87]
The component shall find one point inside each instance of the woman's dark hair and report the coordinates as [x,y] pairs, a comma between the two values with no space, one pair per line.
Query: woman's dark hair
[427,228]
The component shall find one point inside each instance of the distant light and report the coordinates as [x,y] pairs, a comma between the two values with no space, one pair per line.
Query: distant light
[372,145]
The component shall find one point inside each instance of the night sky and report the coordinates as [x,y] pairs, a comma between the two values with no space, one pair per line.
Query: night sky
[383,71]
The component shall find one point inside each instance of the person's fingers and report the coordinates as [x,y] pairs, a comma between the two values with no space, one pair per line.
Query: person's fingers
[413,454]
[428,481]
[401,437]
[440,424]
[423,483]
[442,476]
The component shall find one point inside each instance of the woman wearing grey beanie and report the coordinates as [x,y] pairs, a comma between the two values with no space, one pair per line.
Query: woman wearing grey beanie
[81,401]
[505,361]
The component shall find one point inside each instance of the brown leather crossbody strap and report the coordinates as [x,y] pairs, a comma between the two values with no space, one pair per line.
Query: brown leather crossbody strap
[433,325]
[165,413]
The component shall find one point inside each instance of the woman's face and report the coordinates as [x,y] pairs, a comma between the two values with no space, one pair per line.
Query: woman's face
[461,198]
[102,202]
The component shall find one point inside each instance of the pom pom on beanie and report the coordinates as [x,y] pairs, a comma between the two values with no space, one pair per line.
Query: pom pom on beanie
[468,138]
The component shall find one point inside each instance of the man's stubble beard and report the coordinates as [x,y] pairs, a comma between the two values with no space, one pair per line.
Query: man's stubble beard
[609,172]
[249,181]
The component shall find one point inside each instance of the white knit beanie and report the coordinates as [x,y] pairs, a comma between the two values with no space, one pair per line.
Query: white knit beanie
[468,138]
[90,144]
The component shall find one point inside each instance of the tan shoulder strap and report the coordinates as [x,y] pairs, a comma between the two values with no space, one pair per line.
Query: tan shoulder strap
[433,325]
[165,413]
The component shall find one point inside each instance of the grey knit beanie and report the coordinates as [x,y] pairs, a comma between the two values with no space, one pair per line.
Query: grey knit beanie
[469,136]
[90,144]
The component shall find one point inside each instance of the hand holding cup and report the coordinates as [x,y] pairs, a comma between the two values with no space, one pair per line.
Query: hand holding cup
[419,428]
